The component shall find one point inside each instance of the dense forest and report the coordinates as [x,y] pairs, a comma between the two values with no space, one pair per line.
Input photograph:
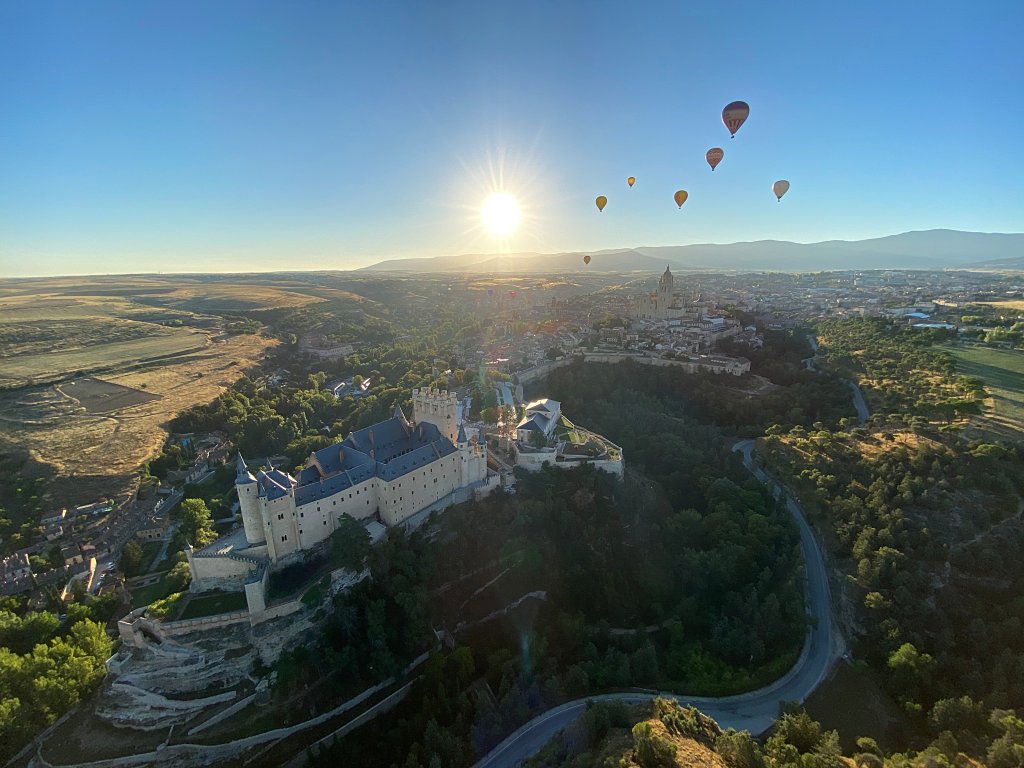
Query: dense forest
[48,664]
[926,523]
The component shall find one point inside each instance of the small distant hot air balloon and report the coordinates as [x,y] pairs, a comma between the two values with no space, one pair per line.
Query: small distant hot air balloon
[601,201]
[513,294]
[780,188]
[490,291]
[680,197]
[734,115]
[631,180]
[714,156]
[586,259]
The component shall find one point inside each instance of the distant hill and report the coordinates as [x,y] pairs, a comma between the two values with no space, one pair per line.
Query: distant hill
[931,249]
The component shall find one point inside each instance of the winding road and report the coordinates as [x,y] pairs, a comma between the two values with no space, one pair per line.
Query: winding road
[754,711]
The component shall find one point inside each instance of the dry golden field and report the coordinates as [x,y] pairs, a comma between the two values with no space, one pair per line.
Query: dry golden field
[91,370]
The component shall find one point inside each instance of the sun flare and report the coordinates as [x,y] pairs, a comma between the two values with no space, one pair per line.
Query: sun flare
[500,214]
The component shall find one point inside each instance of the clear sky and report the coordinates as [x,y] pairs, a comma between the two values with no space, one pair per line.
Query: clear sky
[229,136]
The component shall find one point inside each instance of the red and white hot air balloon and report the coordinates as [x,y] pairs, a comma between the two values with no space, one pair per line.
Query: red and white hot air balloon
[734,115]
[714,156]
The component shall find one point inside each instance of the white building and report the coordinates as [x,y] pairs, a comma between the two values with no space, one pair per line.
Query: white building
[545,437]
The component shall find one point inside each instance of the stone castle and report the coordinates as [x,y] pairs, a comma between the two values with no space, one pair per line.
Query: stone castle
[388,472]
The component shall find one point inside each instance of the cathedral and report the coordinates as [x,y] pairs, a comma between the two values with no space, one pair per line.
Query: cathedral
[663,305]
[388,472]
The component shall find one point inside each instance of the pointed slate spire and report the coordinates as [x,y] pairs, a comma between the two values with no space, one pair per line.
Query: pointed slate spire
[242,473]
[462,439]
[400,414]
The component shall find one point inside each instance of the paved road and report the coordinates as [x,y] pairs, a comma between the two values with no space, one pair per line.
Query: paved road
[754,711]
[863,414]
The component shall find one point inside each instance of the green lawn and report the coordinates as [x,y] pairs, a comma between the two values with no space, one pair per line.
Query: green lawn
[213,604]
[1002,370]
[145,595]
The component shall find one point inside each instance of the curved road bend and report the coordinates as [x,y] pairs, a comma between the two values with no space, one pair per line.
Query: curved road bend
[859,403]
[754,711]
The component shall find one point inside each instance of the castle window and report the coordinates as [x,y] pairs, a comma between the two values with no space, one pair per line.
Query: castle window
[280,516]
[284,538]
[325,522]
[302,514]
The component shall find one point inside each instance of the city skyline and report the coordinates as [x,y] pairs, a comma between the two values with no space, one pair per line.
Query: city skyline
[327,137]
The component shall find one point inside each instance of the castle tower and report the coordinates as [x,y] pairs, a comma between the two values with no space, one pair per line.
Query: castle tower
[249,503]
[437,407]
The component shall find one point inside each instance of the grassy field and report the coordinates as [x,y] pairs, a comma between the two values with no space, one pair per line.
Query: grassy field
[1002,370]
[149,594]
[213,604]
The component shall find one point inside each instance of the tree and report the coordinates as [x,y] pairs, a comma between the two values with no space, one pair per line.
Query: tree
[350,543]
[178,578]
[130,562]
[538,439]
[195,522]
[739,750]
[652,749]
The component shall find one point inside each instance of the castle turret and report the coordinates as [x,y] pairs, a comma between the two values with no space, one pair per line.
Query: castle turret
[438,407]
[249,503]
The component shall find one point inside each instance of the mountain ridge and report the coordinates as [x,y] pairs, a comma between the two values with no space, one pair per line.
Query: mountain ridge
[918,249]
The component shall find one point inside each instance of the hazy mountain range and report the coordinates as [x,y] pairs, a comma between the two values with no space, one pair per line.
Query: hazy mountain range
[931,249]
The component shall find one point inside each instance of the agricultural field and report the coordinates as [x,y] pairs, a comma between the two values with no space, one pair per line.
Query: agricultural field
[1002,370]
[92,369]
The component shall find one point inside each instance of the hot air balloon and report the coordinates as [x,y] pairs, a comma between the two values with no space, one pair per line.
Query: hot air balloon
[601,201]
[513,294]
[734,115]
[586,259]
[780,188]
[631,180]
[680,197]
[714,156]
[490,291]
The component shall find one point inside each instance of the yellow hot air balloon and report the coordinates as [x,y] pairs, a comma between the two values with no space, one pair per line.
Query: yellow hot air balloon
[601,201]
[680,197]
[780,188]
[631,180]
[586,259]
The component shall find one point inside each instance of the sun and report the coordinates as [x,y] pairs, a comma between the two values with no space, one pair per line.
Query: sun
[500,214]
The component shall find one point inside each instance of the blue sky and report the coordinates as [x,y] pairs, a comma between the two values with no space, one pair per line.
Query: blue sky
[235,136]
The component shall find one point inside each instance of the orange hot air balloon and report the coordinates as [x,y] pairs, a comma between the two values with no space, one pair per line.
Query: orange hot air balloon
[601,201]
[734,115]
[714,156]
[586,259]
[631,180]
[780,188]
[680,197]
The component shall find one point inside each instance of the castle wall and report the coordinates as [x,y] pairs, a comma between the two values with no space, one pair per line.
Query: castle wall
[407,495]
[319,519]
[281,523]
[218,573]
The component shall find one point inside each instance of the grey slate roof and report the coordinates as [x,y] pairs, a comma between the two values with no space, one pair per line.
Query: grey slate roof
[386,450]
